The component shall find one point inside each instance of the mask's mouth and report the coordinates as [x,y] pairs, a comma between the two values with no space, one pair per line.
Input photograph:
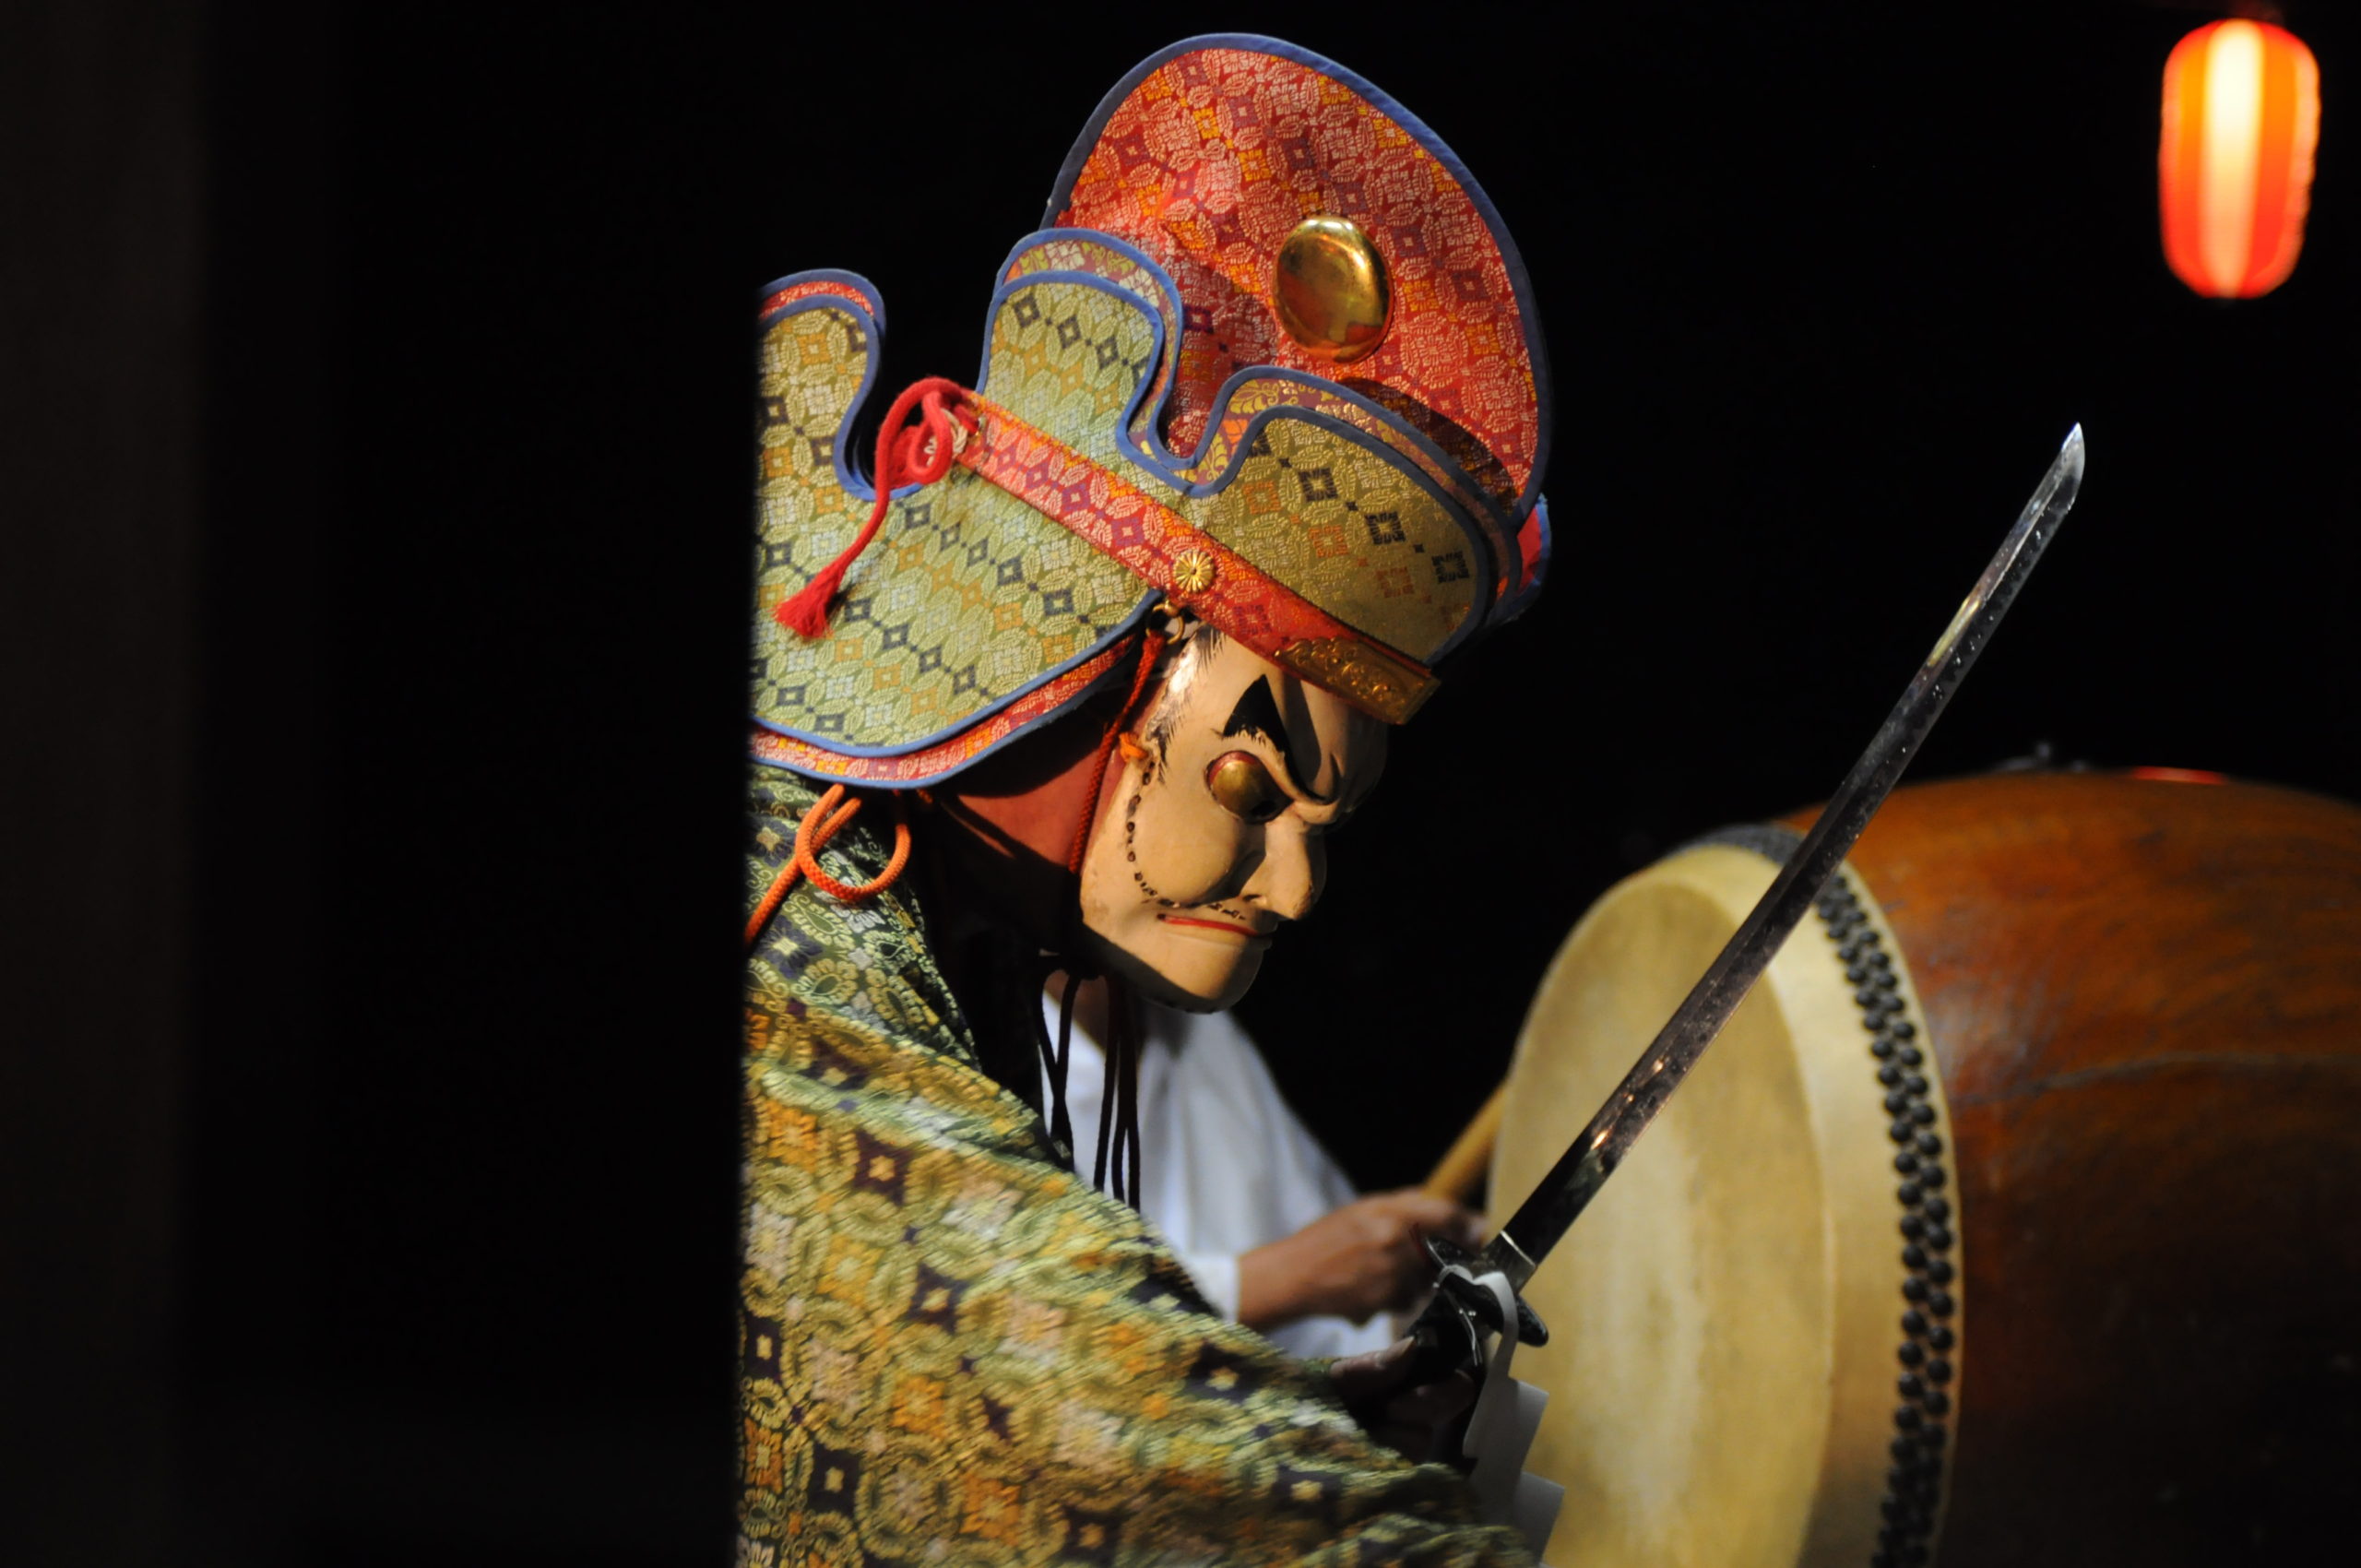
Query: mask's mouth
[1228,928]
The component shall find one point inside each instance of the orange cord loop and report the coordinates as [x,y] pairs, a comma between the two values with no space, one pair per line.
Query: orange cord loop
[820,825]
[834,810]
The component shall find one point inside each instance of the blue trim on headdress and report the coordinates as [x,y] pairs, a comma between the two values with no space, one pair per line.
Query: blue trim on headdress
[1479,603]
[1149,599]
[1114,673]
[1386,416]
[1122,247]
[1175,468]
[1479,547]
[1517,603]
[841,449]
[1088,280]
[853,281]
[1158,458]
[1520,281]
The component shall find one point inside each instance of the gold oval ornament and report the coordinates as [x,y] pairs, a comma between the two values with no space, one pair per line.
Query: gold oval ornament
[1330,289]
[1192,571]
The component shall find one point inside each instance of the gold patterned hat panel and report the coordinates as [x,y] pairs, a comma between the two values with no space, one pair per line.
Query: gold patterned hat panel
[969,598]
[1254,395]
[1329,511]
[1350,531]
[1068,356]
[1078,250]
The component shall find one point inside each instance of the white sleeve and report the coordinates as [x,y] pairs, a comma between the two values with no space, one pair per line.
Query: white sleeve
[1227,1164]
[1254,1173]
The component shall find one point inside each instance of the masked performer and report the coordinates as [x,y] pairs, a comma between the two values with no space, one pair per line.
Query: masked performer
[1079,685]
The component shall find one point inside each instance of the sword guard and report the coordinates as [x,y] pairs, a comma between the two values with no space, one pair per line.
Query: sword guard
[1456,1279]
[1450,1332]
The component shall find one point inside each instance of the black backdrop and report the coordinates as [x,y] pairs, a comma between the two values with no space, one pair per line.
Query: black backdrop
[1824,285]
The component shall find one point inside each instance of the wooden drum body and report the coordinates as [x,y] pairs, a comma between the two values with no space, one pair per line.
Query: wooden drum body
[2018,1212]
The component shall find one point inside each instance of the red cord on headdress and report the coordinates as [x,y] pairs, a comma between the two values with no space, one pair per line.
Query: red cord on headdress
[920,452]
[1152,646]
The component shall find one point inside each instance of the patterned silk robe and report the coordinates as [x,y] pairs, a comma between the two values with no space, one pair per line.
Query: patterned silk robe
[954,1350]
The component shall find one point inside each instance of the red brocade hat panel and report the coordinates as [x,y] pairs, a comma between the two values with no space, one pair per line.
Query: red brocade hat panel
[1211,159]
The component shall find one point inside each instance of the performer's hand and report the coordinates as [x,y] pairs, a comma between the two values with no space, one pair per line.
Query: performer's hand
[1365,1258]
[1419,1422]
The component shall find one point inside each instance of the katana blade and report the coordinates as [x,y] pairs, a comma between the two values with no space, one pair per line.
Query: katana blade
[1593,1157]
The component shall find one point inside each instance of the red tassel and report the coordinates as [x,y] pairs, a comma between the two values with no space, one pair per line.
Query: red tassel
[903,455]
[805,611]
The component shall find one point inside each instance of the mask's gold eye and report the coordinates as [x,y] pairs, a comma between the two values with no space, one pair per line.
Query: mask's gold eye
[1245,788]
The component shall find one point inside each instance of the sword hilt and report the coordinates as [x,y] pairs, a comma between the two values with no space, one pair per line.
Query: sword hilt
[1448,1339]
[1449,1334]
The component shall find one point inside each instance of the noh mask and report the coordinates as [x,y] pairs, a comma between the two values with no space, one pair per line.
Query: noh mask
[1212,832]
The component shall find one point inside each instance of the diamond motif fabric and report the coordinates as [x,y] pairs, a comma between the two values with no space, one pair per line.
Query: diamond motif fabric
[954,1351]
[969,596]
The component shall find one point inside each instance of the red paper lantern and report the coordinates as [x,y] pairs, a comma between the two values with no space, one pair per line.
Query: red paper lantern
[2242,114]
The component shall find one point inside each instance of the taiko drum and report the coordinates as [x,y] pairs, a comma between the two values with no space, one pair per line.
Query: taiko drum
[2015,1219]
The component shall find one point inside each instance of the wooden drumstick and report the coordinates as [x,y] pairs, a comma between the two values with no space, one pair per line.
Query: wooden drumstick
[1463,1165]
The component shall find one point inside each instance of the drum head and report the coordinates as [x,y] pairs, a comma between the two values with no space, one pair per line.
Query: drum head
[1722,1362]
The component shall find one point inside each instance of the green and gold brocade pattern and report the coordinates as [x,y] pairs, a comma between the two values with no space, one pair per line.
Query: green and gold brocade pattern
[968,597]
[1306,503]
[956,1353]
[971,596]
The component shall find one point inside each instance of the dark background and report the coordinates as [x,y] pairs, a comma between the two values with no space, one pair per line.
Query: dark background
[376,444]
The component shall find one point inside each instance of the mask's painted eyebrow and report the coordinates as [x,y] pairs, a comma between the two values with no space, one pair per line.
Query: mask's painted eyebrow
[1257,713]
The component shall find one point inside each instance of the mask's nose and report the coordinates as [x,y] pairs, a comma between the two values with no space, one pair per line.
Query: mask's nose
[1294,869]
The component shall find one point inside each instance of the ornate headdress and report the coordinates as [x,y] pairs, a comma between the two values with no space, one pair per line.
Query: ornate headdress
[1273,362]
